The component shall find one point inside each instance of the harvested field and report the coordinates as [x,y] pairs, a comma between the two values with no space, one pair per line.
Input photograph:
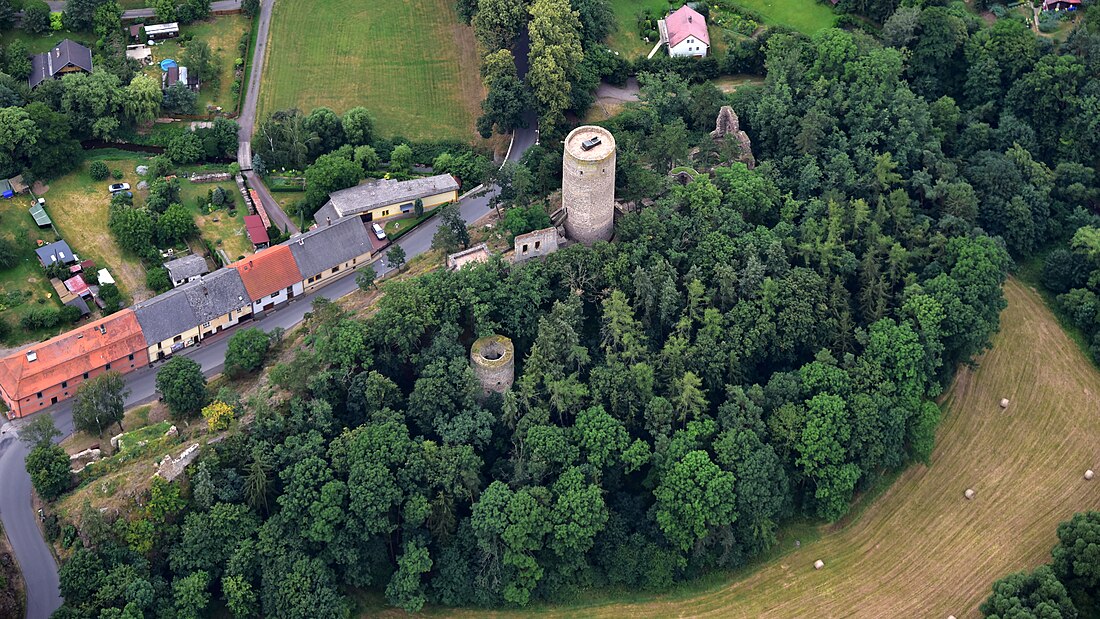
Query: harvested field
[921,549]
[412,63]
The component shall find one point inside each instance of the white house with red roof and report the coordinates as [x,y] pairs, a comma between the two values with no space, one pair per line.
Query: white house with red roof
[685,33]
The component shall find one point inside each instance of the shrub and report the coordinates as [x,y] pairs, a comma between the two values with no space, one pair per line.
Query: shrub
[246,352]
[111,297]
[183,386]
[40,318]
[157,280]
[98,171]
[218,415]
[117,174]
[48,466]
[69,314]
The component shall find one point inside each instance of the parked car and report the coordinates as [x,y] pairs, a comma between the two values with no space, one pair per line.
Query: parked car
[379,232]
[117,187]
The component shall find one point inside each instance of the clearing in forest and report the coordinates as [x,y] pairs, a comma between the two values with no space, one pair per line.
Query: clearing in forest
[412,63]
[921,549]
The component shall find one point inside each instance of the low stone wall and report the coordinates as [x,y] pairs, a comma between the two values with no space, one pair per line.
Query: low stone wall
[214,177]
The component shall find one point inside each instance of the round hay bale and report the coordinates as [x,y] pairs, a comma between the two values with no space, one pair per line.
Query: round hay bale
[1089,474]
[1004,402]
[969,494]
[819,564]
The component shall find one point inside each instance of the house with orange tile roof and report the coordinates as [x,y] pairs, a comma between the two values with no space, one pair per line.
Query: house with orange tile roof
[51,371]
[271,277]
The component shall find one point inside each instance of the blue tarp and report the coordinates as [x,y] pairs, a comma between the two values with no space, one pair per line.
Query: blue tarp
[167,63]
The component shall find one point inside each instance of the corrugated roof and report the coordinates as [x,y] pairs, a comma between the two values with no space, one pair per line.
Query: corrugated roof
[268,271]
[257,232]
[165,316]
[216,294]
[40,217]
[324,247]
[381,193]
[71,354]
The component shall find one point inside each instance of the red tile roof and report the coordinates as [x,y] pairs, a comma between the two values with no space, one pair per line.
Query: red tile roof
[268,271]
[684,22]
[71,354]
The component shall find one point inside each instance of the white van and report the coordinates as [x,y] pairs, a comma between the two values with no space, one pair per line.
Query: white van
[379,232]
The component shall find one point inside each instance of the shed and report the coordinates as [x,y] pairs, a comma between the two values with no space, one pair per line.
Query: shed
[77,286]
[38,211]
[257,233]
[6,190]
[79,304]
[135,31]
[188,268]
[18,185]
[105,277]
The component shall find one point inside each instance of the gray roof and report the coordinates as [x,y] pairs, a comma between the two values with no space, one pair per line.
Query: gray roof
[187,267]
[165,316]
[381,193]
[55,252]
[66,53]
[324,247]
[80,304]
[216,294]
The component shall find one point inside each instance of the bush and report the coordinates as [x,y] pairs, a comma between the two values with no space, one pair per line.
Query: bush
[157,280]
[69,314]
[246,352]
[111,297]
[218,416]
[98,171]
[183,386]
[48,466]
[40,318]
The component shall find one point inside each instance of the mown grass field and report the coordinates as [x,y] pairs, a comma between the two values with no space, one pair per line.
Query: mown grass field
[805,16]
[412,63]
[921,549]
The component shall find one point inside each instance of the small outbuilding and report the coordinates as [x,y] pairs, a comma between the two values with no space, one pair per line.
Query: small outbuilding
[257,233]
[186,269]
[41,219]
[475,254]
[5,189]
[80,304]
[159,32]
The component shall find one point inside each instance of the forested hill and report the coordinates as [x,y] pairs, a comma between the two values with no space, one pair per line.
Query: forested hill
[755,346]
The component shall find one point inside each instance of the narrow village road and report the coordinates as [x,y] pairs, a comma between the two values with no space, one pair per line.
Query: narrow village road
[220,5]
[16,512]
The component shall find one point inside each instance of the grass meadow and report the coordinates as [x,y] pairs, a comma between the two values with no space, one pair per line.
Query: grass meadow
[412,63]
[920,549]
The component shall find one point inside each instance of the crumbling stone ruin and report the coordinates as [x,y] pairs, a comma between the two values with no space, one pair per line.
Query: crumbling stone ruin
[729,126]
[170,468]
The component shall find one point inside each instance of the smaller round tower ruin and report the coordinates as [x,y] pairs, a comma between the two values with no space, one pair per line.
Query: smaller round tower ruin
[588,184]
[494,361]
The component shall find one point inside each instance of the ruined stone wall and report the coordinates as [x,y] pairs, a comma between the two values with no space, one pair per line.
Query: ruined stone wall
[536,244]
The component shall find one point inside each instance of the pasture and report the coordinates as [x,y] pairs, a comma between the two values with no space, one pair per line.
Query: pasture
[412,63]
[921,549]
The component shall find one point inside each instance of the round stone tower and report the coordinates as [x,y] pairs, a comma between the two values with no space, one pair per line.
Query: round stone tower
[588,184]
[494,361]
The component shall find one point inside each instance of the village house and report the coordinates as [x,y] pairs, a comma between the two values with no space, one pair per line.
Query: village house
[1061,5]
[46,373]
[219,301]
[65,57]
[186,269]
[388,198]
[330,251]
[685,33]
[55,252]
[271,277]
[168,323]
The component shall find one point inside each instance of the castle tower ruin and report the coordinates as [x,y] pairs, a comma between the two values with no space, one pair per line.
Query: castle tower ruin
[494,361]
[588,184]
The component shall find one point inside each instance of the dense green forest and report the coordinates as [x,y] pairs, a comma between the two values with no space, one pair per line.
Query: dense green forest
[755,346]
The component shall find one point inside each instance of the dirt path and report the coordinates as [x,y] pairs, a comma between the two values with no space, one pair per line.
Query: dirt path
[922,550]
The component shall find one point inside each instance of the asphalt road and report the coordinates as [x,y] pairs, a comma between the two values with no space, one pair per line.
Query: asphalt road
[220,5]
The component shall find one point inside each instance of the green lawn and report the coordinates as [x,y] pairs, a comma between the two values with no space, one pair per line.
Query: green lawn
[807,16]
[36,44]
[24,286]
[222,34]
[410,62]
[222,230]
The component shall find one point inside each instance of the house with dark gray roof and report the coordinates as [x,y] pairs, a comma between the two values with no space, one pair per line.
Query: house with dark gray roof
[331,251]
[168,323]
[187,268]
[388,198]
[55,252]
[219,300]
[66,57]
